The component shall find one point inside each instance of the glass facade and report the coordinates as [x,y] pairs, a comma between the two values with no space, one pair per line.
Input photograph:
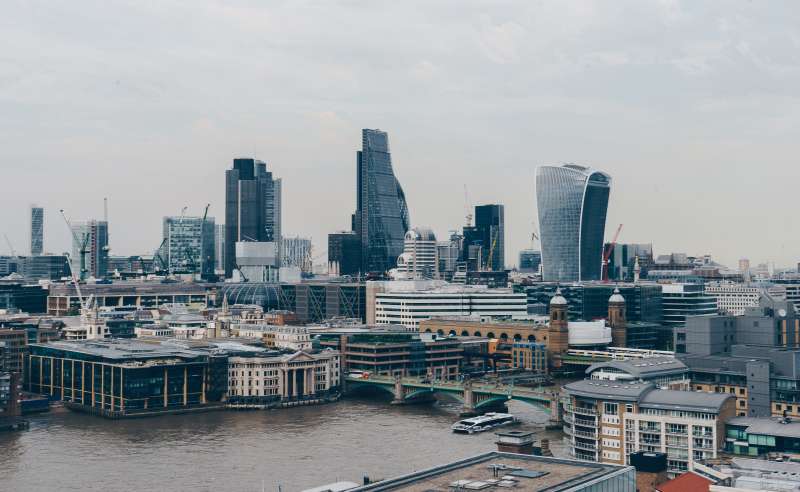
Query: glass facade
[382,219]
[572,202]
[252,207]
[37,230]
[189,245]
[487,237]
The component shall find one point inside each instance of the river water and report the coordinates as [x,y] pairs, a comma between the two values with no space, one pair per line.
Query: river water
[253,451]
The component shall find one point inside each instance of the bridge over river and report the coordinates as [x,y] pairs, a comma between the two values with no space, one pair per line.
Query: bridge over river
[475,395]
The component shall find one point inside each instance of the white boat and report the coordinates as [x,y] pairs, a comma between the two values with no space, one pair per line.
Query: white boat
[483,422]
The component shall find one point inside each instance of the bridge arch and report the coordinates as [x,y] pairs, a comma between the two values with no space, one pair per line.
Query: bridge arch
[427,391]
[498,399]
[353,387]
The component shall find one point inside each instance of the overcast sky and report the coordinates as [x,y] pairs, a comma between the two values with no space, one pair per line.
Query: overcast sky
[692,107]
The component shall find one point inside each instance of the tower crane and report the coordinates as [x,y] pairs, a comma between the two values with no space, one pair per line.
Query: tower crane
[608,251]
[489,265]
[10,246]
[467,207]
[82,246]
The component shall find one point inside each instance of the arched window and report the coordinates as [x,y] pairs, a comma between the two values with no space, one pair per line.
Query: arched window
[465,333]
[478,334]
[440,332]
[427,330]
[531,338]
[517,337]
[504,336]
[453,332]
[490,335]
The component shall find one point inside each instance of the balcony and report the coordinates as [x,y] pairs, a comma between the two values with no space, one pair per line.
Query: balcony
[584,434]
[586,423]
[585,411]
[586,446]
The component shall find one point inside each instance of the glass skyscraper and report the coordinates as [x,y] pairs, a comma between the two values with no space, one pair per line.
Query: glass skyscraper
[37,230]
[252,207]
[381,219]
[572,202]
[486,239]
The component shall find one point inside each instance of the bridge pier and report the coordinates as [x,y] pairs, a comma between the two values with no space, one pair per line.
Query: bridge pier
[399,392]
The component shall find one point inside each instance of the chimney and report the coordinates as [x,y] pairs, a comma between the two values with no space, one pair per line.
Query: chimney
[518,442]
[651,470]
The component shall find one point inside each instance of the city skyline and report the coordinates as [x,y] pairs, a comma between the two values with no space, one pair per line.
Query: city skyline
[696,109]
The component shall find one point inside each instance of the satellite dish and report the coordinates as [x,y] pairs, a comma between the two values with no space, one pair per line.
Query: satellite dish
[782,313]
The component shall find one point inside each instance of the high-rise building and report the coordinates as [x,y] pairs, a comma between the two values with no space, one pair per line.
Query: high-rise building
[486,239]
[418,260]
[189,245]
[252,207]
[296,252]
[448,254]
[219,248]
[623,257]
[529,260]
[90,242]
[381,218]
[572,202]
[37,230]
[344,253]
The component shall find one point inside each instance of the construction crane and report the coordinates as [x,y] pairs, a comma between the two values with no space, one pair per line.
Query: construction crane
[489,265]
[608,251]
[82,245]
[160,259]
[467,207]
[10,246]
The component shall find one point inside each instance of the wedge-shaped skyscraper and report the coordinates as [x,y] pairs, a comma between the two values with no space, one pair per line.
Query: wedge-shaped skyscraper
[572,202]
[381,219]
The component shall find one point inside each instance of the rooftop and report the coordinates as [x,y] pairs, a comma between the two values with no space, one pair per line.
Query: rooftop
[497,471]
[684,400]
[688,482]
[600,389]
[768,426]
[644,367]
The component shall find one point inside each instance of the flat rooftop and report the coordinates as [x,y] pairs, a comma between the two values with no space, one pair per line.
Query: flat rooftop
[496,471]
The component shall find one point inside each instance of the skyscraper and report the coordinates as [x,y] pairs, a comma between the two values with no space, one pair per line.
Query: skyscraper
[381,218]
[189,245]
[486,238]
[252,207]
[90,242]
[219,248]
[37,230]
[572,202]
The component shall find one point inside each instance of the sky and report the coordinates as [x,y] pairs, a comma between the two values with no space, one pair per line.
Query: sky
[692,107]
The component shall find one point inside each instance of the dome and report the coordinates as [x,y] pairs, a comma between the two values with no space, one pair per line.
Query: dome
[558,299]
[420,234]
[616,297]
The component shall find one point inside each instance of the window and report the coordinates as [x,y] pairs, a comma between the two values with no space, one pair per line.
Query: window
[611,408]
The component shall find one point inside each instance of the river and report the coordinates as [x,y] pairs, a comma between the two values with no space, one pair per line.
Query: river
[253,451]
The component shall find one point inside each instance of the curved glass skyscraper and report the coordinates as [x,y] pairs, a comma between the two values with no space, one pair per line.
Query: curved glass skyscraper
[381,219]
[572,202]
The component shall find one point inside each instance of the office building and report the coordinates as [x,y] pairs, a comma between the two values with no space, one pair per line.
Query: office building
[252,207]
[381,219]
[257,261]
[123,378]
[344,253]
[749,436]
[90,249]
[397,354]
[16,294]
[665,372]
[63,299]
[219,248]
[261,378]
[733,298]
[448,254]
[189,245]
[296,253]
[572,203]
[588,301]
[623,258]
[680,301]
[499,470]
[34,268]
[484,242]
[37,230]
[408,303]
[529,260]
[418,260]
[606,421]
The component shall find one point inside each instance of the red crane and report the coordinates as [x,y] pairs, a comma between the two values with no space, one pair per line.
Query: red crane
[608,251]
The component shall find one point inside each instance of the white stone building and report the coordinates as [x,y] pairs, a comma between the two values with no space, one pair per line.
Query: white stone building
[284,377]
